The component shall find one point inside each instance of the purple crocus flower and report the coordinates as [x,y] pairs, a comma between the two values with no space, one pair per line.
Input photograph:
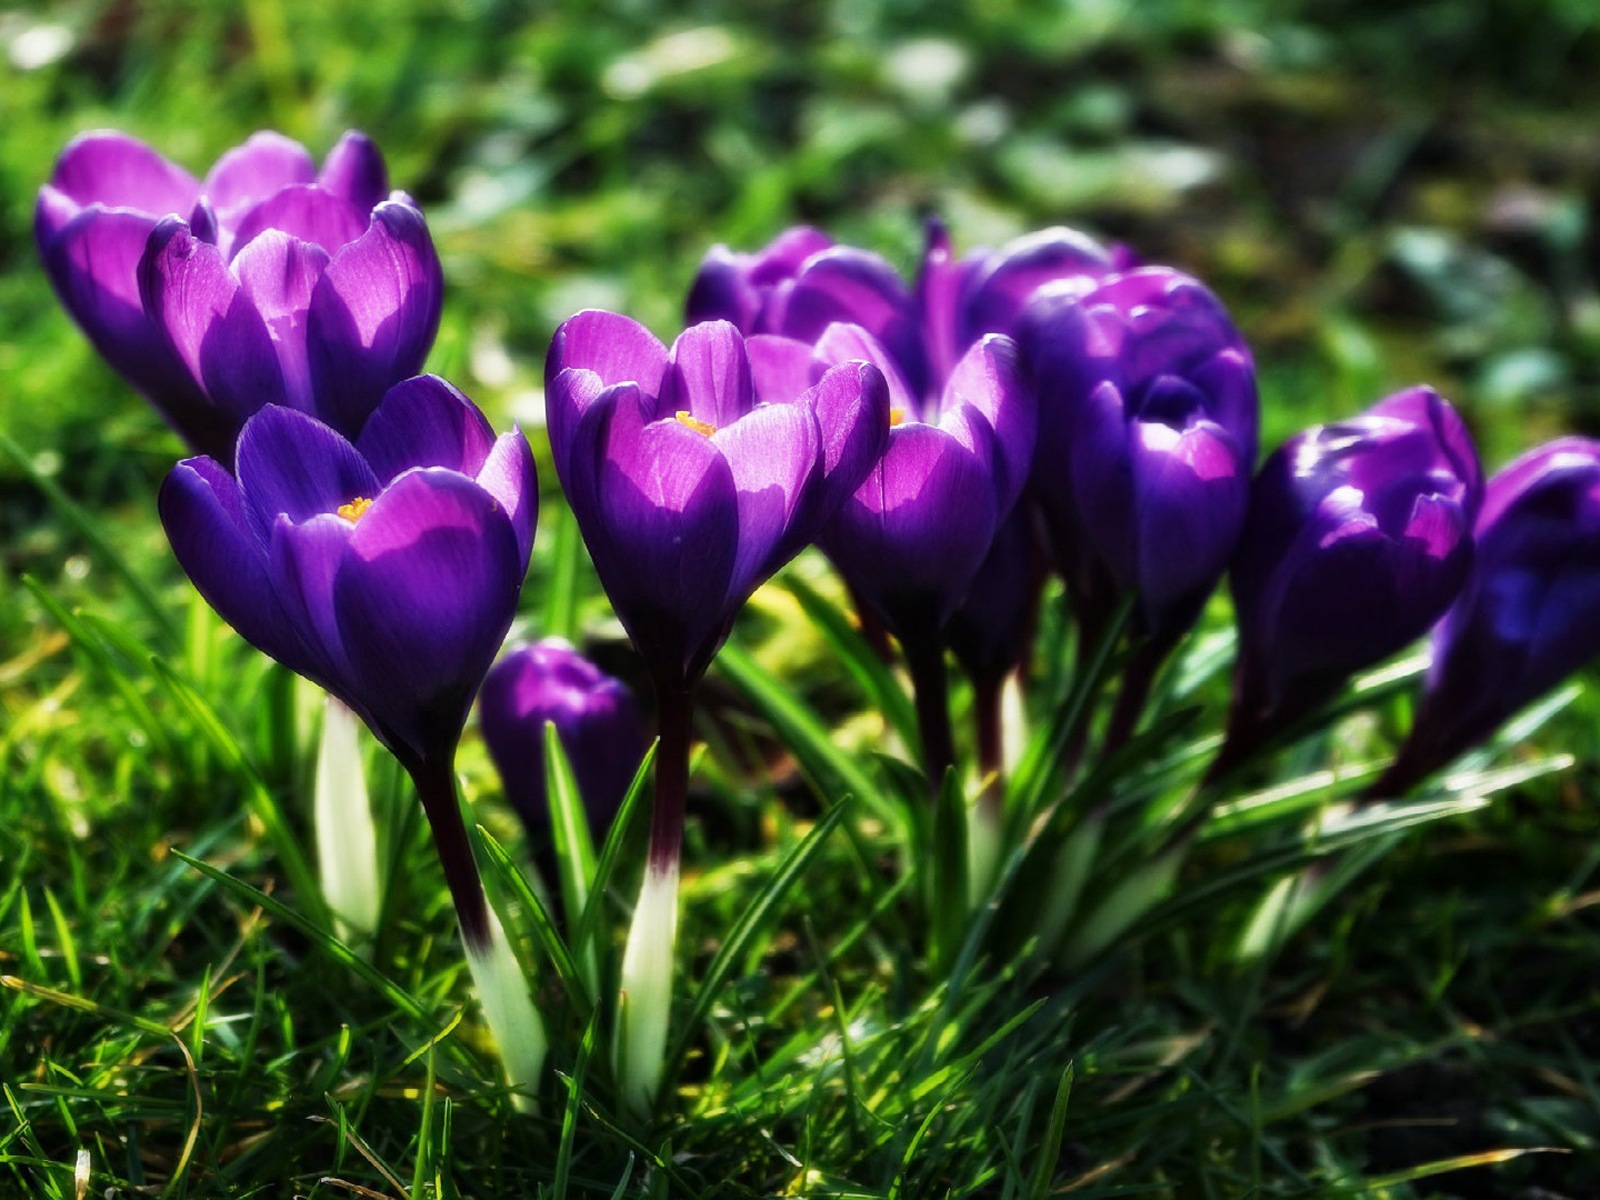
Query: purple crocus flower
[690,484]
[1147,435]
[387,570]
[268,282]
[1529,614]
[1359,535]
[595,715]
[752,290]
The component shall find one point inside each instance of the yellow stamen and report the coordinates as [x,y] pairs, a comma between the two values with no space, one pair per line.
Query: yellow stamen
[896,415]
[704,428]
[355,510]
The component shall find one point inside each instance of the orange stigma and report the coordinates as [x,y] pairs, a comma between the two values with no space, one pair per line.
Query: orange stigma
[896,415]
[355,510]
[703,428]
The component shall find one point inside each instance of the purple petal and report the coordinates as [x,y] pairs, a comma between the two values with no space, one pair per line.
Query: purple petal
[354,170]
[708,375]
[914,534]
[264,164]
[307,212]
[780,368]
[722,291]
[425,422]
[293,465]
[852,405]
[423,598]
[509,476]
[841,343]
[772,453]
[305,560]
[115,170]
[278,273]
[374,315]
[997,291]
[209,320]
[1100,473]
[204,516]
[1191,491]
[989,378]
[616,348]
[845,284]
[668,515]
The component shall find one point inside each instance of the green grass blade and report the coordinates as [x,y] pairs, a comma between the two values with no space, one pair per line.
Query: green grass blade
[875,677]
[569,826]
[834,772]
[561,959]
[760,910]
[560,606]
[586,939]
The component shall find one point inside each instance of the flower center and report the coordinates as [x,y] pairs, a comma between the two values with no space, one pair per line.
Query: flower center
[355,510]
[703,428]
[896,416]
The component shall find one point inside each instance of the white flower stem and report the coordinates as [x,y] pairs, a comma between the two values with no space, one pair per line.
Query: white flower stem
[347,843]
[646,1002]
[508,1010]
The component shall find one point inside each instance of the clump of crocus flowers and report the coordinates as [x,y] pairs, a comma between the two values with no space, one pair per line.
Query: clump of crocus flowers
[944,439]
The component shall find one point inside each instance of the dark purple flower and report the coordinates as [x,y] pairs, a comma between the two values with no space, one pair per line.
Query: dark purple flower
[691,484]
[268,282]
[596,716]
[387,570]
[1359,535]
[1147,435]
[1529,614]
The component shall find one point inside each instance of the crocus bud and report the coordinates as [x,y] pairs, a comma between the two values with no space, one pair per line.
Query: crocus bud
[1357,539]
[266,283]
[1529,614]
[595,715]
[1147,435]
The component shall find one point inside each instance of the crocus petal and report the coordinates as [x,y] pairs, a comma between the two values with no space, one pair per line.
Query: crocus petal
[264,164]
[989,378]
[1100,473]
[118,171]
[204,516]
[374,314]
[721,291]
[995,294]
[210,322]
[914,534]
[509,476]
[1192,490]
[307,212]
[295,466]
[772,453]
[666,501]
[588,354]
[843,343]
[708,375]
[852,406]
[425,422]
[354,170]
[424,597]
[94,264]
[278,273]
[305,560]
[616,348]
[849,285]
[780,368]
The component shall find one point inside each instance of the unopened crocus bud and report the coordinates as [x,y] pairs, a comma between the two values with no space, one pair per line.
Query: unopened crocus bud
[1529,614]
[752,290]
[1147,435]
[595,715]
[1358,538]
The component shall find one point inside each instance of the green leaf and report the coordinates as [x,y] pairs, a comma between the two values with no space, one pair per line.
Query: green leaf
[759,911]
[569,829]
[561,958]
